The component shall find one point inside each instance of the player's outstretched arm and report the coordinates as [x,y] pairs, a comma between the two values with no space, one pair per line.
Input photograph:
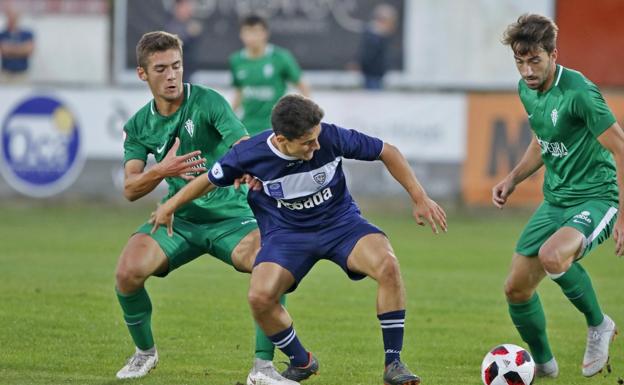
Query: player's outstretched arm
[531,161]
[425,209]
[164,212]
[138,182]
[613,140]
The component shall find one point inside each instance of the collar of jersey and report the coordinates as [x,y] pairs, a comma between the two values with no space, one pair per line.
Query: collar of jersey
[155,112]
[268,50]
[278,152]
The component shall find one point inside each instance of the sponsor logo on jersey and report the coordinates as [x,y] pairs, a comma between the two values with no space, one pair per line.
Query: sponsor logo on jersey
[41,147]
[263,93]
[216,170]
[310,202]
[553,116]
[197,166]
[557,149]
[190,127]
[583,218]
[276,190]
[320,178]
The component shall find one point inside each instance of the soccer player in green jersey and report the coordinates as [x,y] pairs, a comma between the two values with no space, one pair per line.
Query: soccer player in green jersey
[186,128]
[580,144]
[260,74]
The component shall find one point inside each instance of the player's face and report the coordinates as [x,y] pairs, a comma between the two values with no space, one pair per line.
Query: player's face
[164,74]
[537,68]
[254,36]
[303,148]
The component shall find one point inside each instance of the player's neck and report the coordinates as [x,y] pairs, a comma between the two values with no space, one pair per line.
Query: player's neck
[256,52]
[168,107]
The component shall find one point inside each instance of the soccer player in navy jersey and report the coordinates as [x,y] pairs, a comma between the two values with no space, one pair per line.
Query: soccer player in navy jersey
[305,213]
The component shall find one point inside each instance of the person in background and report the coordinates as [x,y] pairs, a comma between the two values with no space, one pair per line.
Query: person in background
[376,38]
[260,74]
[16,47]
[188,30]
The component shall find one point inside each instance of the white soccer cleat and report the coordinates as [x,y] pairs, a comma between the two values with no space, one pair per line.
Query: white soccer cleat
[597,350]
[264,373]
[138,365]
[548,369]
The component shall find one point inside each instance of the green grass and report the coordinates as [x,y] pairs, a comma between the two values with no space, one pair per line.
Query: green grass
[60,322]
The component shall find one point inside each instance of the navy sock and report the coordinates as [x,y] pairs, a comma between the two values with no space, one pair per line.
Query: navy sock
[392,326]
[289,344]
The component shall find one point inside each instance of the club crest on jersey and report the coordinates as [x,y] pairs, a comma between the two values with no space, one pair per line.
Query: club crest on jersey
[268,70]
[190,127]
[275,190]
[553,116]
[320,178]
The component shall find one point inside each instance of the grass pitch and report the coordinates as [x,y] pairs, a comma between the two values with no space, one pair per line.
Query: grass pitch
[60,322]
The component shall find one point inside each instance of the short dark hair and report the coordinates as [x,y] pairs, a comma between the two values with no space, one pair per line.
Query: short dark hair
[254,19]
[156,41]
[294,115]
[530,33]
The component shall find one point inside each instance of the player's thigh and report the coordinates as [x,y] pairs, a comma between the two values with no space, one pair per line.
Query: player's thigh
[141,257]
[370,254]
[234,241]
[593,219]
[184,245]
[525,274]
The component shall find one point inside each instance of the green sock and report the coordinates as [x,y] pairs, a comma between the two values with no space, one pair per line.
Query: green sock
[265,350]
[577,286]
[137,312]
[529,319]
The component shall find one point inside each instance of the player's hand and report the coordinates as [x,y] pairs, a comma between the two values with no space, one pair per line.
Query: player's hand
[174,165]
[253,183]
[618,236]
[428,210]
[162,216]
[501,192]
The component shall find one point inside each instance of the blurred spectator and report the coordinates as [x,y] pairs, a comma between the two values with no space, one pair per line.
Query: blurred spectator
[260,74]
[16,46]
[188,30]
[373,59]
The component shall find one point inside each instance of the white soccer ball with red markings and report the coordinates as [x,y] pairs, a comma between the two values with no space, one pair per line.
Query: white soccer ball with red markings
[508,364]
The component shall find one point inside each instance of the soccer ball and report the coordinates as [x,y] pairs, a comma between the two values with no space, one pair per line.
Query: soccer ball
[508,364]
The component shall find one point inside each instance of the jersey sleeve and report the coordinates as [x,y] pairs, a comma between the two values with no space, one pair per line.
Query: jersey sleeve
[291,70]
[224,119]
[133,148]
[353,144]
[226,170]
[589,105]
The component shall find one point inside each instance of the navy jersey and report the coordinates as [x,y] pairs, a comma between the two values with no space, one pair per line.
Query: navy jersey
[297,194]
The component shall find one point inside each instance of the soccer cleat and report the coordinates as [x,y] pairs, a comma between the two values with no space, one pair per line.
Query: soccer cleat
[397,373]
[548,369]
[264,373]
[138,365]
[297,373]
[597,350]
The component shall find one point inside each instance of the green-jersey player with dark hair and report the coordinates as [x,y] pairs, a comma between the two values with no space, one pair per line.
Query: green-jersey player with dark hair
[580,144]
[261,73]
[186,128]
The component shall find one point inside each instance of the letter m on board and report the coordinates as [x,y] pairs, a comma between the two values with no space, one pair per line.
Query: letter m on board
[507,147]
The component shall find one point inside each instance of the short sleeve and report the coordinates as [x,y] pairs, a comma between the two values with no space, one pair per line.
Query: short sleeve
[222,117]
[589,105]
[353,144]
[291,71]
[226,170]
[133,149]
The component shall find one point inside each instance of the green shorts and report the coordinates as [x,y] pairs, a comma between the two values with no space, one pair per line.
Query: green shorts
[190,240]
[594,219]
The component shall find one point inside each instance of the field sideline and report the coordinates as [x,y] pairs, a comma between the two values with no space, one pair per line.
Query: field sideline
[60,322]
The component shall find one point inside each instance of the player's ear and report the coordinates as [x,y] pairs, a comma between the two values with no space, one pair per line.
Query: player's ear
[554,54]
[141,73]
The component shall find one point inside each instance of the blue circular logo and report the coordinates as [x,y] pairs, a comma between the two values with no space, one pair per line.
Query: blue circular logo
[40,147]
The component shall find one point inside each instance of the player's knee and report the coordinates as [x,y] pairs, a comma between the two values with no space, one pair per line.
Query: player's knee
[515,293]
[128,277]
[388,269]
[260,300]
[551,259]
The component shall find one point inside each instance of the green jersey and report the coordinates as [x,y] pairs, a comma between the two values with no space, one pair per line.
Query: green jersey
[203,122]
[262,81]
[566,120]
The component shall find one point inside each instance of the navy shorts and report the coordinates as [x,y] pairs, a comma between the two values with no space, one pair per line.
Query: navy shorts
[298,251]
